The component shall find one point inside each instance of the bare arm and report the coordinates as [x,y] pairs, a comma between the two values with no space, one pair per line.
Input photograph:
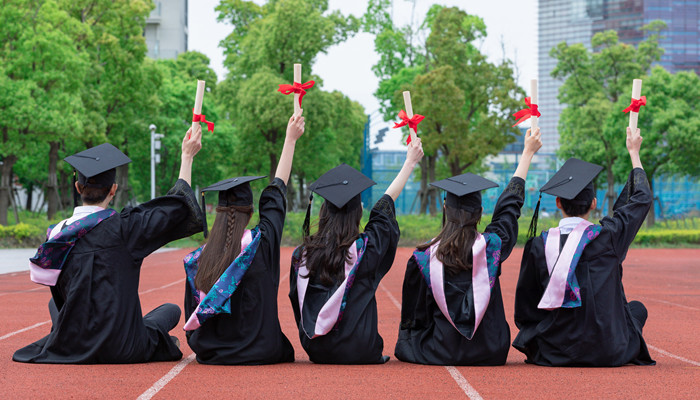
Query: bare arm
[191,144]
[413,156]
[295,128]
[533,142]
[634,143]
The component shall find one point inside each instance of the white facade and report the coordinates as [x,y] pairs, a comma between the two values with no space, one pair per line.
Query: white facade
[166,29]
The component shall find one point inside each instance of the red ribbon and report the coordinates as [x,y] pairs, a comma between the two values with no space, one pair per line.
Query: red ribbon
[525,113]
[202,118]
[636,104]
[296,88]
[411,122]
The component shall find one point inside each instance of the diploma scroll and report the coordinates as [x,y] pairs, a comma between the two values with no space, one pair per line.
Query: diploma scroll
[636,94]
[409,112]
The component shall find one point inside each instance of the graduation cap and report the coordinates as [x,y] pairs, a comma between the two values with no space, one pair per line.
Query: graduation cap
[464,191]
[339,186]
[232,192]
[97,165]
[573,181]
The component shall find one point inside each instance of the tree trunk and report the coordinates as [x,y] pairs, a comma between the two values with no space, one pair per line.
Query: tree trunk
[433,194]
[651,217]
[52,185]
[273,165]
[30,197]
[303,198]
[423,193]
[611,190]
[66,191]
[123,190]
[6,186]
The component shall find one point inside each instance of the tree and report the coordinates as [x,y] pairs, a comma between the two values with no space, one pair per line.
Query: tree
[467,100]
[596,89]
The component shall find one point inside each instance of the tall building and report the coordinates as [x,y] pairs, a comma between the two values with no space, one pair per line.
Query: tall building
[576,21]
[166,29]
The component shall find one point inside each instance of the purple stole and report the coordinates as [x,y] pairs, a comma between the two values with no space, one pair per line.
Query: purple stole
[331,313]
[46,265]
[485,260]
[563,289]
[218,299]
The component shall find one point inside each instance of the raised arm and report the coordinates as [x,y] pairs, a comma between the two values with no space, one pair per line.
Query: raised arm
[413,156]
[191,144]
[533,142]
[295,128]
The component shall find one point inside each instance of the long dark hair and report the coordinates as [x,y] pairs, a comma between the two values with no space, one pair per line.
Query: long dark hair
[456,239]
[223,246]
[327,250]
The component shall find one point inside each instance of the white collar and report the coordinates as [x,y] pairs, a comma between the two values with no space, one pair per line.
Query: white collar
[566,225]
[85,210]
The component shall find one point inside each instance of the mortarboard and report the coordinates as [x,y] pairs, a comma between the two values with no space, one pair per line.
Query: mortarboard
[338,186]
[464,191]
[573,181]
[232,192]
[97,165]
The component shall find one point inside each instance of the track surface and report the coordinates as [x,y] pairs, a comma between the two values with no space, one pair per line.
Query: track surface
[667,281]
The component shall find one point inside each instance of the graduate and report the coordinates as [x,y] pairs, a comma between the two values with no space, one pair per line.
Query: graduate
[570,306]
[452,308]
[92,262]
[233,280]
[335,272]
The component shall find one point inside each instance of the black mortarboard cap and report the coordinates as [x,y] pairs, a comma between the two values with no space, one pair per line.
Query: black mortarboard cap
[573,181]
[338,186]
[96,166]
[464,191]
[232,192]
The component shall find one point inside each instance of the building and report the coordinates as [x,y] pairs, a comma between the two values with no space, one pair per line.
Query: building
[576,21]
[166,29]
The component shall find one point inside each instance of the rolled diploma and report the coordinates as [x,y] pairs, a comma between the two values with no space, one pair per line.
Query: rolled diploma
[409,112]
[533,100]
[198,100]
[297,78]
[636,93]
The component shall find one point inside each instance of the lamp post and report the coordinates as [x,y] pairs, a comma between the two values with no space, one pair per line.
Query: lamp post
[155,157]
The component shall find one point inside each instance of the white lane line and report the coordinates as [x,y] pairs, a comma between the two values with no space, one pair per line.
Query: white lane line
[160,384]
[672,304]
[454,372]
[24,329]
[666,353]
[46,322]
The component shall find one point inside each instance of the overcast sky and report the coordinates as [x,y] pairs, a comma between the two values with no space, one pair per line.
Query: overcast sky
[511,22]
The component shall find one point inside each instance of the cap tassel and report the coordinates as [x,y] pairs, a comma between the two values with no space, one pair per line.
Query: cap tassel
[307,219]
[204,216]
[533,223]
[443,210]
[75,191]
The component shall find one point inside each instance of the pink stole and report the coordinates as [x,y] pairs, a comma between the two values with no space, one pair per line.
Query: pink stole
[558,264]
[481,288]
[330,311]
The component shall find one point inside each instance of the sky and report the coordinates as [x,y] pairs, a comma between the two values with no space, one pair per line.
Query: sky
[511,26]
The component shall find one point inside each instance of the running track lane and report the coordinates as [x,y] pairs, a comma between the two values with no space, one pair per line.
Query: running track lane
[670,330]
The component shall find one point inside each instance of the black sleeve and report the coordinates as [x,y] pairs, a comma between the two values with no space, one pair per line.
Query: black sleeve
[505,215]
[530,287]
[411,295]
[150,225]
[383,233]
[273,209]
[629,211]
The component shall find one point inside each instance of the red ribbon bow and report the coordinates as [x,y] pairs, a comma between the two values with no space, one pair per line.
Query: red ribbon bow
[296,88]
[411,122]
[636,104]
[525,113]
[202,118]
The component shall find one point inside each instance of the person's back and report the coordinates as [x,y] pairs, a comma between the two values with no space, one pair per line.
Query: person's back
[583,318]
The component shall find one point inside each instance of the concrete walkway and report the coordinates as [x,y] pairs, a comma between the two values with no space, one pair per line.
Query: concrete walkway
[16,260]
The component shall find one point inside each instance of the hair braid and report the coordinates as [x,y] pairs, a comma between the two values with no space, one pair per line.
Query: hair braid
[230,219]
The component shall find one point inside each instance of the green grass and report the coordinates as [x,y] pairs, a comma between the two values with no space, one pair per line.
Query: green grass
[415,229]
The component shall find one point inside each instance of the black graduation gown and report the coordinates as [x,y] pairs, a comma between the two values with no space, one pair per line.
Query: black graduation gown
[427,337]
[251,334]
[601,332]
[100,318]
[356,339]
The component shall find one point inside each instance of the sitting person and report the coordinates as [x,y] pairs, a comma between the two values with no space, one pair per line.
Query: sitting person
[570,306]
[336,271]
[452,308]
[232,281]
[92,263]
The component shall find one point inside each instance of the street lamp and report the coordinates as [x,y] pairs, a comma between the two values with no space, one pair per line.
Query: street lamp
[155,157]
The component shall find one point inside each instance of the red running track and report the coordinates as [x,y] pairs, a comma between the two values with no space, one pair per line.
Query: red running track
[667,281]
